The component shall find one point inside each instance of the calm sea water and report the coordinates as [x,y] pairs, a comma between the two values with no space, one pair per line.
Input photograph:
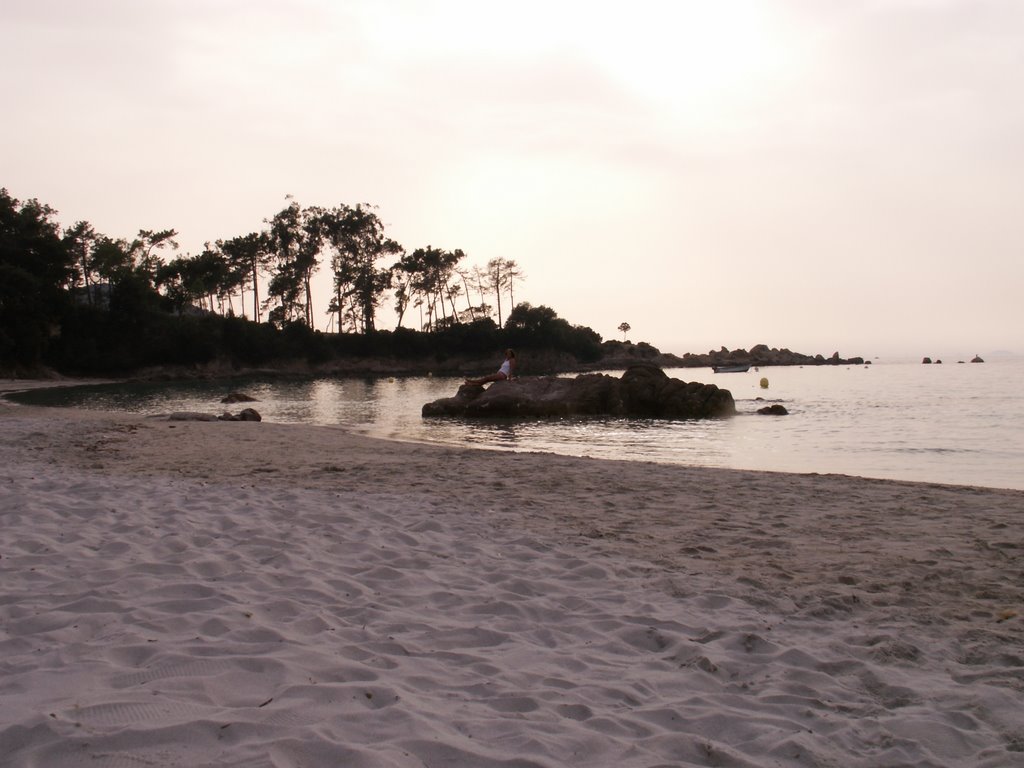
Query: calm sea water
[950,423]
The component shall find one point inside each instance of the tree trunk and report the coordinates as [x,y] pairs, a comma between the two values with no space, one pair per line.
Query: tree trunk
[439,298]
[85,281]
[469,301]
[368,326]
[309,301]
[255,293]
[403,304]
[451,300]
[339,300]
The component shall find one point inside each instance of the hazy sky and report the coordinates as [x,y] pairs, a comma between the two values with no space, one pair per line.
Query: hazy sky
[816,174]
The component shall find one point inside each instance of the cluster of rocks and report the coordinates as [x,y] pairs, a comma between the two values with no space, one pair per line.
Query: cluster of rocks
[761,354]
[928,360]
[246,414]
[643,391]
[616,354]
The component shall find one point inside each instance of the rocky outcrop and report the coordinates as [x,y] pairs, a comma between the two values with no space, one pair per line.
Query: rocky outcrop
[642,391]
[617,353]
[761,354]
[246,414]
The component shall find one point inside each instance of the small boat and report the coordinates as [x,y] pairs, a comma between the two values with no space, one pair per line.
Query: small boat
[730,368]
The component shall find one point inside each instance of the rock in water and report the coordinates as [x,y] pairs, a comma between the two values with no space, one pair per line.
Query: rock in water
[238,397]
[643,391]
[246,414]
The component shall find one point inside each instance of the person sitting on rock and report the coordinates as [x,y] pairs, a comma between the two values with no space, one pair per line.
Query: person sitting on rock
[507,370]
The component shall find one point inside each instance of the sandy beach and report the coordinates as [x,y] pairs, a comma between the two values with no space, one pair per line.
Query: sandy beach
[183,593]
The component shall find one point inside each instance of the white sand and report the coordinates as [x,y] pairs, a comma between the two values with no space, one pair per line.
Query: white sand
[239,594]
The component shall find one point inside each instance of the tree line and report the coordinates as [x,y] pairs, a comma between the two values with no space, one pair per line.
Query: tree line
[77,298]
[286,255]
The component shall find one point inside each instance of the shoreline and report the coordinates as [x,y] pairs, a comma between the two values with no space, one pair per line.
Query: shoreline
[11,386]
[218,593]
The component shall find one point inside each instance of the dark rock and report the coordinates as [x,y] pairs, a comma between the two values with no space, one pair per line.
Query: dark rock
[642,391]
[238,397]
[773,410]
[247,414]
[977,359]
[759,355]
[926,361]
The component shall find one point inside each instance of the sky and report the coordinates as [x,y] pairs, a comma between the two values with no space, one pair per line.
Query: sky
[822,175]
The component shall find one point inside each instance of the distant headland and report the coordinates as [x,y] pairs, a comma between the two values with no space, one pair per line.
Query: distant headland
[616,354]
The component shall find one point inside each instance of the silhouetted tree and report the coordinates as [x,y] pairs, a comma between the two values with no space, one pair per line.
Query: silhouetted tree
[172,279]
[111,260]
[541,327]
[142,251]
[513,272]
[412,273]
[498,280]
[359,243]
[428,273]
[196,279]
[80,242]
[35,271]
[247,256]
[296,236]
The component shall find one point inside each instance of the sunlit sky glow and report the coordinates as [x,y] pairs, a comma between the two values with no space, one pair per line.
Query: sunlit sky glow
[823,175]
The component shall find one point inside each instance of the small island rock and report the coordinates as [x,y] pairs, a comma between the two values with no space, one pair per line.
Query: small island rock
[642,391]
[246,414]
